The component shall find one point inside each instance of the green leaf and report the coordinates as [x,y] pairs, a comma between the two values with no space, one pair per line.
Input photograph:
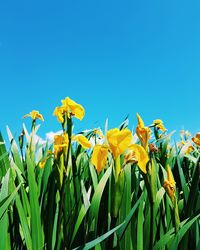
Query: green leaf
[24,223]
[94,208]
[36,227]
[140,227]
[6,202]
[98,240]
[82,213]
[128,218]
[182,231]
[15,151]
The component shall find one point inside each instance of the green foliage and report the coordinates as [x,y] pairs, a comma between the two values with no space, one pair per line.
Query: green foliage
[65,204]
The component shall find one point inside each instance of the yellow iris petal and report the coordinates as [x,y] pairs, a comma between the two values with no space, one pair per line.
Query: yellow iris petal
[170,184]
[141,156]
[34,114]
[99,157]
[143,132]
[83,141]
[73,108]
[119,140]
[196,139]
[42,163]
[60,142]
[140,121]
[59,112]
[159,124]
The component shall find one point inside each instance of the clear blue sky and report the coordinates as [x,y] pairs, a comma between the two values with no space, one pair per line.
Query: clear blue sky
[116,58]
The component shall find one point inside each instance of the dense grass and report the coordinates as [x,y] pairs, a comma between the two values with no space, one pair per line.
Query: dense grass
[58,198]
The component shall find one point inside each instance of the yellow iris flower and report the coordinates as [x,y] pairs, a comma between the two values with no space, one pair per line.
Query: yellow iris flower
[34,114]
[159,125]
[118,141]
[73,109]
[196,139]
[42,163]
[137,155]
[60,142]
[69,107]
[143,132]
[59,112]
[83,141]
[170,184]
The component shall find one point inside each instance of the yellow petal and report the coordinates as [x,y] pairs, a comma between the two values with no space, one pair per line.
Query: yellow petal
[83,141]
[189,150]
[141,156]
[119,140]
[99,157]
[140,121]
[170,176]
[159,125]
[60,142]
[170,184]
[42,163]
[143,132]
[59,112]
[34,114]
[73,108]
[196,139]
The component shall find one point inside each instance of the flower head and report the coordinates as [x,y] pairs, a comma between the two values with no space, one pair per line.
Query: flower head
[119,140]
[139,156]
[159,125]
[196,139]
[59,112]
[73,109]
[170,184]
[34,114]
[60,143]
[143,132]
[42,163]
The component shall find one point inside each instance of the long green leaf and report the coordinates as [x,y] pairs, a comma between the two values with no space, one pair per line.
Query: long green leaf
[36,227]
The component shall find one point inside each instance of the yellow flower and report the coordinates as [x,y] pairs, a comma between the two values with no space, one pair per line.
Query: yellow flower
[99,157]
[59,112]
[159,125]
[143,132]
[42,163]
[83,141]
[196,139]
[34,114]
[73,109]
[140,156]
[170,184]
[189,150]
[97,131]
[119,140]
[60,142]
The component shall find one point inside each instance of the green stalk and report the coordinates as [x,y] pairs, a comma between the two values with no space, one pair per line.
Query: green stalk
[62,191]
[176,215]
[152,226]
[116,196]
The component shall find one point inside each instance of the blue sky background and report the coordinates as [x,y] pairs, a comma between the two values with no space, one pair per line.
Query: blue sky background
[116,58]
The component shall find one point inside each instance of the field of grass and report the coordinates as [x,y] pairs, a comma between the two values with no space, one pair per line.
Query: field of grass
[110,189]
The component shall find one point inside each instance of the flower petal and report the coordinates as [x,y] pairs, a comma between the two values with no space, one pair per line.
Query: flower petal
[83,141]
[119,140]
[99,157]
[141,155]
